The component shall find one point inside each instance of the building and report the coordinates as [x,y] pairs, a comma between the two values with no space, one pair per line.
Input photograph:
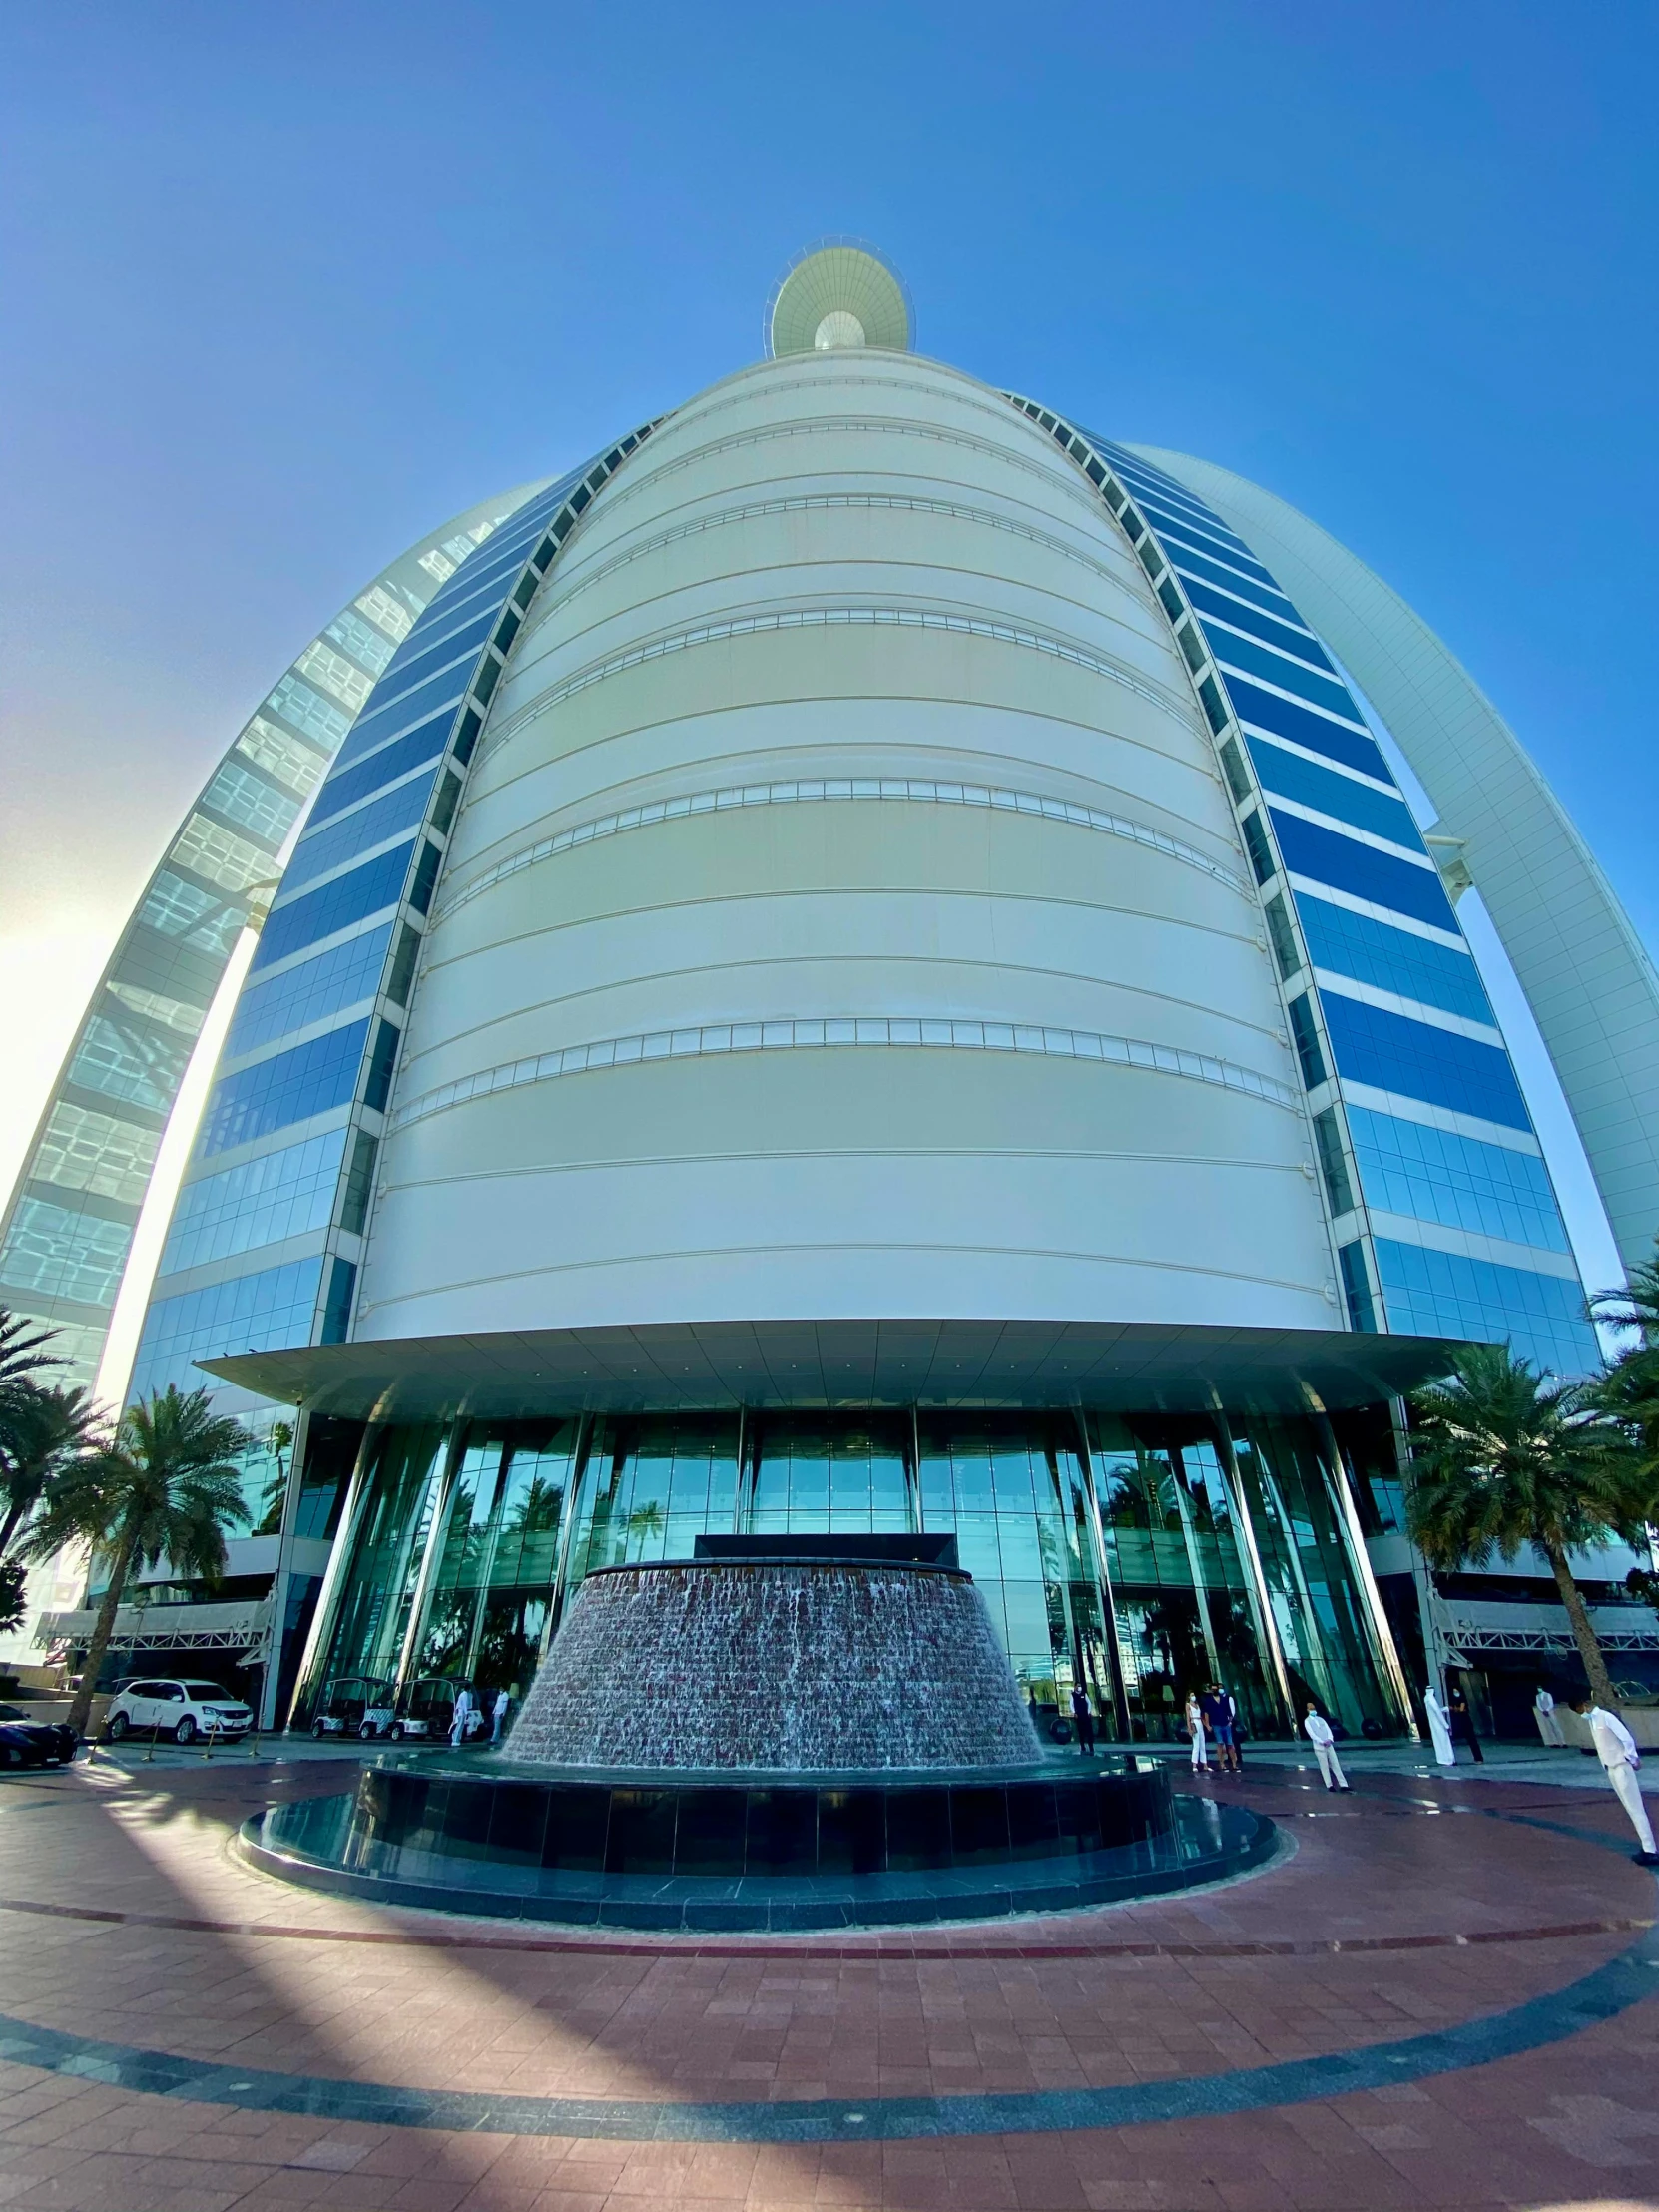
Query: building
[859,966]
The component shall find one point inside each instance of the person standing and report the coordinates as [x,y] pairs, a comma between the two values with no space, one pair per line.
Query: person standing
[1319,1733]
[1439,1727]
[1549,1728]
[498,1715]
[1463,1727]
[1616,1749]
[458,1719]
[1195,1725]
[1219,1709]
[1082,1714]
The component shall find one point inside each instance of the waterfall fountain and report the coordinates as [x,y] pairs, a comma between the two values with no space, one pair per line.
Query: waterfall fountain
[779,1733]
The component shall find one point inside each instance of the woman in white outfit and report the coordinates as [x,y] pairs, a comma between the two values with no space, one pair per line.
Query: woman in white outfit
[1317,1729]
[1549,1728]
[1616,1749]
[1195,1722]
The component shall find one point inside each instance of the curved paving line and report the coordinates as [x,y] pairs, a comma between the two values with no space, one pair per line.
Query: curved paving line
[1597,1997]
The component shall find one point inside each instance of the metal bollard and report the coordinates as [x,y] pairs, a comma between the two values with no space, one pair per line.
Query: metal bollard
[151,1753]
[213,1731]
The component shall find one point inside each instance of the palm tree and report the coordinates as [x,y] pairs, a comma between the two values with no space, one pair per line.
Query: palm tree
[43,1435]
[1502,1458]
[166,1484]
[1629,1390]
[22,1356]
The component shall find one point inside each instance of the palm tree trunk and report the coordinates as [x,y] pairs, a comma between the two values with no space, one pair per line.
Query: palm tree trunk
[103,1628]
[8,1528]
[1572,1597]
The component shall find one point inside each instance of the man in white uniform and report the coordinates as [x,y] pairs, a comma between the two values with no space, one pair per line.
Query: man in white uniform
[1318,1731]
[1549,1728]
[1616,1749]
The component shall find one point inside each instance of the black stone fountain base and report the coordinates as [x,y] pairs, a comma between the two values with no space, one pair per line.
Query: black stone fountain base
[783,1852]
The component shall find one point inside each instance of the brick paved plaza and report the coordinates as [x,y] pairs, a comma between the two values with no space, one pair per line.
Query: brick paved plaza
[1436,1998]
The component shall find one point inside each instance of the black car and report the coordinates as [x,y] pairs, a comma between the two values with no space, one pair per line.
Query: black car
[54,1743]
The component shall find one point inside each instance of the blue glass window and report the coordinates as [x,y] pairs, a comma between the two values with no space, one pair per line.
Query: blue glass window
[1392,1053]
[309,992]
[309,712]
[280,1193]
[60,1252]
[313,1078]
[428,657]
[1357,1289]
[250,1312]
[1330,858]
[1189,566]
[1181,532]
[1283,717]
[1442,1293]
[347,899]
[1259,625]
[1435,1175]
[346,787]
[1391,960]
[1292,776]
[391,720]
[337,1313]
[330,847]
[251,801]
[202,919]
[1162,504]
[1255,660]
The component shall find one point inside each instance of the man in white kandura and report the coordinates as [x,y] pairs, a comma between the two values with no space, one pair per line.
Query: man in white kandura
[1549,1728]
[1318,1731]
[1616,1749]
[1439,1727]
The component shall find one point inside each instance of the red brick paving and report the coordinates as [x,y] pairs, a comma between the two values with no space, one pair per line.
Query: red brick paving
[1280,1966]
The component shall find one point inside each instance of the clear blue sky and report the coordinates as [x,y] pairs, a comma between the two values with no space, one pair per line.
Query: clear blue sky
[288,284]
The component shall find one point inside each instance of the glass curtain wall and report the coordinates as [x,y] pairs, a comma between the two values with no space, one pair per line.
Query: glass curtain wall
[1139,1558]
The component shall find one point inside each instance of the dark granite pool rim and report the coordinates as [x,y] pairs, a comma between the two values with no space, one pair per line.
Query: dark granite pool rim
[1206,1844]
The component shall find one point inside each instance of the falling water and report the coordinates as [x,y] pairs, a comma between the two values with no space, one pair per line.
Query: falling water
[779,1666]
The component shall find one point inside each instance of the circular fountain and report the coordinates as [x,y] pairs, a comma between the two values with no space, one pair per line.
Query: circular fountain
[780,1733]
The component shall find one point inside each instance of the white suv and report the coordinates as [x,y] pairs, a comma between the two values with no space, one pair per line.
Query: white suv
[181,1710]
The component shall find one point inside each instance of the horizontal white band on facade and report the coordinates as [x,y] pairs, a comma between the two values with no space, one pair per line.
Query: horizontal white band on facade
[813,502]
[1308,886]
[830,618]
[1472,1243]
[1409,1009]
[1404,1108]
[1340,827]
[1323,760]
[802,792]
[879,1029]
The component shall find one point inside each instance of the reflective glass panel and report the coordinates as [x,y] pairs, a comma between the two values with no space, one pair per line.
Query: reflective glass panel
[330,848]
[1442,1293]
[1433,1175]
[367,890]
[285,755]
[343,976]
[131,1060]
[1393,1053]
[1361,871]
[280,1193]
[249,800]
[250,1312]
[1293,776]
[58,1252]
[1389,959]
[87,1150]
[313,1078]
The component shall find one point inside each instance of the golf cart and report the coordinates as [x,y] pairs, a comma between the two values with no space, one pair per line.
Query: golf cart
[357,1705]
